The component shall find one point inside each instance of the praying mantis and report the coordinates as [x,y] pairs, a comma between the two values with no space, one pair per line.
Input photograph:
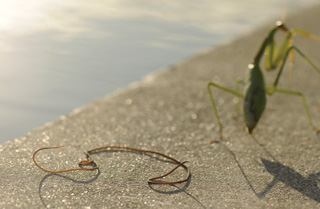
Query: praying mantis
[255,90]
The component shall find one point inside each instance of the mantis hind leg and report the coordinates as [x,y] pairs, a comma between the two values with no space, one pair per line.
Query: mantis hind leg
[237,94]
[272,89]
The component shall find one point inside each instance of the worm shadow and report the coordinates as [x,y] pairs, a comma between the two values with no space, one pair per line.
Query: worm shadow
[174,189]
[64,177]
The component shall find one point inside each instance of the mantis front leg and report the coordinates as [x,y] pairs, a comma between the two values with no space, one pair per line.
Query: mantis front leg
[237,94]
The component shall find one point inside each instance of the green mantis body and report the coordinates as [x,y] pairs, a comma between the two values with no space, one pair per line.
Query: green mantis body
[255,90]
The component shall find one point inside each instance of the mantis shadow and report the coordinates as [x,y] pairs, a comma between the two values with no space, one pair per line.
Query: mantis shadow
[306,186]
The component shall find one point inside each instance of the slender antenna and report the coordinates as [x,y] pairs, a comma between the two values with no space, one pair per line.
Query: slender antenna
[284,11]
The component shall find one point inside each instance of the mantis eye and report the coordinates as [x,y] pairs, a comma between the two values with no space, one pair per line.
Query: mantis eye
[279,23]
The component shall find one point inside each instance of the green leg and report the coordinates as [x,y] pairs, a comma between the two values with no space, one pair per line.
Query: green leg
[237,94]
[238,84]
[272,89]
[285,58]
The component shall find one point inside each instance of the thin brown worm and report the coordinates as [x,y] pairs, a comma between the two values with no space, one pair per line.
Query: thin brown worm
[88,162]
[62,171]
[151,181]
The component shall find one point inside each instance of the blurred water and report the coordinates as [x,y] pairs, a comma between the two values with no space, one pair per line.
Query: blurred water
[57,55]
